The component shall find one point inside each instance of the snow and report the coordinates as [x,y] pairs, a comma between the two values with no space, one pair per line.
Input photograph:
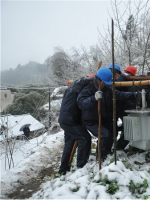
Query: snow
[59,91]
[22,150]
[55,105]
[56,98]
[88,182]
[35,155]
[15,122]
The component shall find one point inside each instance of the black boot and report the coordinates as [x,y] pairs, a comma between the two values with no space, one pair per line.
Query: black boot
[122,143]
[104,154]
[63,171]
[82,165]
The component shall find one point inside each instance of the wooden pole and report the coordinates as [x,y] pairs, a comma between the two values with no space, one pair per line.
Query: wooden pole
[131,83]
[138,78]
[136,81]
[6,142]
[49,109]
[99,65]
[99,128]
[72,152]
[114,94]
[99,121]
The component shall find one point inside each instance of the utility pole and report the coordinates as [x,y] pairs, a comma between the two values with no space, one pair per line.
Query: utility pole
[6,142]
[49,109]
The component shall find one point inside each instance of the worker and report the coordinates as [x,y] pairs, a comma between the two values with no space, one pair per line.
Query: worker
[117,70]
[88,102]
[128,71]
[69,82]
[126,105]
[70,122]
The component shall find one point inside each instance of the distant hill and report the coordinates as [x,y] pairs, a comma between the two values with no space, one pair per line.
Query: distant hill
[31,73]
[57,70]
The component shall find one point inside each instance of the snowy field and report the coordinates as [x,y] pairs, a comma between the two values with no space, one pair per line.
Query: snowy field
[129,179]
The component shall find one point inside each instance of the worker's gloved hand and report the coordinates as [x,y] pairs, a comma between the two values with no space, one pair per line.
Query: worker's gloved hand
[98,95]
[138,94]
[147,95]
[126,74]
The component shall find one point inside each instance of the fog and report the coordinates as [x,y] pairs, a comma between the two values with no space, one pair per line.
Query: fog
[31,29]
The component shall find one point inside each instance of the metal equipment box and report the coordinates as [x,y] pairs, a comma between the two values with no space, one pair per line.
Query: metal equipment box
[137,128]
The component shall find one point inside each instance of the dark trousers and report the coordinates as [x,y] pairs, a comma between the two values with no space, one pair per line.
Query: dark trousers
[106,136]
[26,136]
[82,136]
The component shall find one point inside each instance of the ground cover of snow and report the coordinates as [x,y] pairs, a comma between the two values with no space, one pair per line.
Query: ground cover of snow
[129,178]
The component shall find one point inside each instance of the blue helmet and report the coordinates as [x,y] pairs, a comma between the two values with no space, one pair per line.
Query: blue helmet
[117,67]
[105,75]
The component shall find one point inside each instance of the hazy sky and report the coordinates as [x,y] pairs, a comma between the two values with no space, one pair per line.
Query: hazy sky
[31,29]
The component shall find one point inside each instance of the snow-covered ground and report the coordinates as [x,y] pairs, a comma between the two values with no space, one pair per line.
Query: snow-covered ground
[29,160]
[129,179]
[22,150]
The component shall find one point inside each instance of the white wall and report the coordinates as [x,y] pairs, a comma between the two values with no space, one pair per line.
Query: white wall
[6,98]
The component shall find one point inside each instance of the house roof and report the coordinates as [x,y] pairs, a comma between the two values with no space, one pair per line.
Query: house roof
[15,122]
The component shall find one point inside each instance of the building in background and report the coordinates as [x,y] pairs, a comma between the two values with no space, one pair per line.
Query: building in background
[6,98]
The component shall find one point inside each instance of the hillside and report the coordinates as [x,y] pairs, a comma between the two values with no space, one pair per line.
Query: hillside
[31,73]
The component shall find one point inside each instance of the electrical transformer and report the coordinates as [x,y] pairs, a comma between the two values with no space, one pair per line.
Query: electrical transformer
[137,126]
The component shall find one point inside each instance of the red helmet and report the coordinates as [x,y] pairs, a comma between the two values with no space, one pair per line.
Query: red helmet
[91,75]
[69,81]
[131,69]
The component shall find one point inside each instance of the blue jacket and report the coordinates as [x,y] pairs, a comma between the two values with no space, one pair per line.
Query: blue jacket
[89,105]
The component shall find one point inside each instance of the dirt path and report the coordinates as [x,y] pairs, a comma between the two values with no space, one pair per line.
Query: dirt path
[26,190]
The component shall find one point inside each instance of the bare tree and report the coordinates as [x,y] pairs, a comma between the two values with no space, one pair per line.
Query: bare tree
[144,41]
[134,30]
[65,65]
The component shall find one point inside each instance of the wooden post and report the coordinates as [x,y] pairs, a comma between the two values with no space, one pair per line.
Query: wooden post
[99,121]
[49,108]
[137,78]
[6,142]
[99,128]
[72,152]
[132,83]
[114,94]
